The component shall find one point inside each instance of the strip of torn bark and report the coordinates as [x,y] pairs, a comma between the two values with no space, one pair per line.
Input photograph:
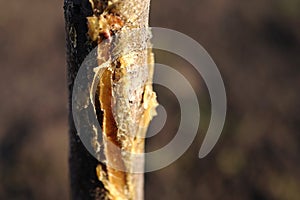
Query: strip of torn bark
[127,100]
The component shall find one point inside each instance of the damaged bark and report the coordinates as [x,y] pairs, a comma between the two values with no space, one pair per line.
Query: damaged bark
[125,102]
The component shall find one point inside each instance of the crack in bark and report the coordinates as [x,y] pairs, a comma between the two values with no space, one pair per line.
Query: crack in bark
[124,96]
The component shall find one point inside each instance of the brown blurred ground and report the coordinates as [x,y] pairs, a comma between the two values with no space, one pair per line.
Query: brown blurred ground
[256,46]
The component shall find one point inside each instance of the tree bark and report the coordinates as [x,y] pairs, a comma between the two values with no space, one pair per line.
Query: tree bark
[126,102]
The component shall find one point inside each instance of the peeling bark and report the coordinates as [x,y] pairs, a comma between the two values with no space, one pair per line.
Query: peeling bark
[125,99]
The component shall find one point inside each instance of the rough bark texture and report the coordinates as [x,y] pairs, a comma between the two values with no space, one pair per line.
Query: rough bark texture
[126,102]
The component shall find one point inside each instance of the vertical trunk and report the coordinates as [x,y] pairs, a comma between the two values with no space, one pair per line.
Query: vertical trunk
[126,100]
[84,182]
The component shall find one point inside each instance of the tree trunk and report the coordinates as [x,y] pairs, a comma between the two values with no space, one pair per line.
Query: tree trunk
[126,102]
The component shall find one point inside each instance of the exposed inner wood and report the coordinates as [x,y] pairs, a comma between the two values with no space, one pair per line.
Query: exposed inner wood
[126,98]
[116,179]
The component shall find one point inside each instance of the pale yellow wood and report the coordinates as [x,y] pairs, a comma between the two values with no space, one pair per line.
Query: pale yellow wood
[126,96]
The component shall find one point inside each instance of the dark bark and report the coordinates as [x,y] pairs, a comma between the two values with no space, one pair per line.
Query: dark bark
[84,182]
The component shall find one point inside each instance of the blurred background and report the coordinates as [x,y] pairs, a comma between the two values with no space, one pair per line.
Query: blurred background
[256,45]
